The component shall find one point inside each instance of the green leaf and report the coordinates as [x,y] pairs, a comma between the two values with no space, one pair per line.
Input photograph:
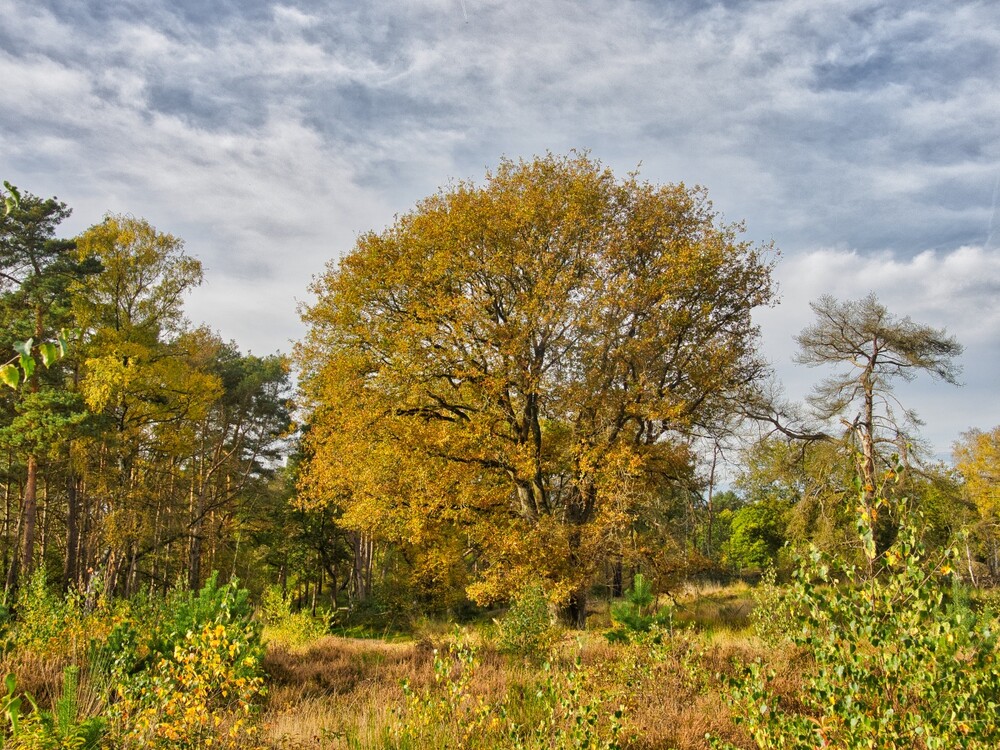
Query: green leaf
[50,353]
[28,365]
[24,347]
[10,375]
[63,343]
[12,201]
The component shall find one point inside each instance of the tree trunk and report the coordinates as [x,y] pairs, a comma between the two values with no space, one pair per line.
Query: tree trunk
[197,510]
[10,584]
[574,614]
[30,512]
[617,577]
[363,558]
[70,562]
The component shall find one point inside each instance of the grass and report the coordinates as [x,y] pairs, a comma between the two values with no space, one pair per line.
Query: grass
[338,691]
[344,692]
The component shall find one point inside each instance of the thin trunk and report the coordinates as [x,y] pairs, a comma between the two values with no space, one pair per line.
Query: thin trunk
[30,513]
[44,521]
[617,577]
[30,507]
[133,571]
[197,510]
[8,540]
[15,560]
[711,497]
[72,530]
[362,573]
[968,558]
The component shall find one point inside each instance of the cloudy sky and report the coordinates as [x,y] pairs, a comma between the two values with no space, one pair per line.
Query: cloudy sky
[863,138]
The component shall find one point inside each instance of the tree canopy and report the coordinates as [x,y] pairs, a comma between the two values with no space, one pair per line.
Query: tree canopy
[525,359]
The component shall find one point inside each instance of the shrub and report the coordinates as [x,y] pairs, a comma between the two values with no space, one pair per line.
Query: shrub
[772,618]
[281,625]
[205,690]
[894,664]
[526,629]
[47,624]
[193,682]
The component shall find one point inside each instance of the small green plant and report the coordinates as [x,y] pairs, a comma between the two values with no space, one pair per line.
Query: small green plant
[10,708]
[45,730]
[447,712]
[771,617]
[526,629]
[281,625]
[637,614]
[61,727]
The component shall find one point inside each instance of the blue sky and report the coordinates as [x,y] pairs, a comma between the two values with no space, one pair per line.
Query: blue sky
[862,137]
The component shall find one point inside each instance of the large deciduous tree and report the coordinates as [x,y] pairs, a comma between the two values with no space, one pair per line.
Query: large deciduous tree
[523,359]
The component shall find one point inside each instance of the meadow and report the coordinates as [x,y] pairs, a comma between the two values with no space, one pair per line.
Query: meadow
[901,661]
[187,671]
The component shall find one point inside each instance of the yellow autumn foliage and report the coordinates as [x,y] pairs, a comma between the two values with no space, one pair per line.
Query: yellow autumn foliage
[523,362]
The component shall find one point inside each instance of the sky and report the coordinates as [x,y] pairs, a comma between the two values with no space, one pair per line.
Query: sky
[862,138]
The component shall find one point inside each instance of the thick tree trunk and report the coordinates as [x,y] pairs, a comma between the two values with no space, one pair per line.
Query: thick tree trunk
[364,549]
[574,614]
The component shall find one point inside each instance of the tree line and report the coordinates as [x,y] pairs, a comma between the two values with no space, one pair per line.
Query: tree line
[132,460]
[529,382]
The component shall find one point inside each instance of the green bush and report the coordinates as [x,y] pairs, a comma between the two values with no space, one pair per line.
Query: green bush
[771,617]
[281,625]
[526,629]
[189,611]
[190,676]
[894,663]
[46,623]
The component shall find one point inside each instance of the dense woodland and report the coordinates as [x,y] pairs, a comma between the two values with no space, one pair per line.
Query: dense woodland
[542,390]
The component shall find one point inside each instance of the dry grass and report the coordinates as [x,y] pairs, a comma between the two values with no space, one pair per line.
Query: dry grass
[345,693]
[39,676]
[714,607]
